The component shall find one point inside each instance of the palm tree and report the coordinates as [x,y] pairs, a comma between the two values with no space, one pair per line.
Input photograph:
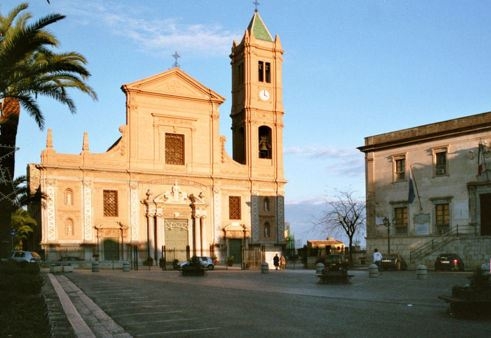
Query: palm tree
[23,225]
[29,67]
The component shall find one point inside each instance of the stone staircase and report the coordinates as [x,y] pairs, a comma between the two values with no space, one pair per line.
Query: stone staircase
[432,245]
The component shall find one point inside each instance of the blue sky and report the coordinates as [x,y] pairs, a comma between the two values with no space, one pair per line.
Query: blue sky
[351,69]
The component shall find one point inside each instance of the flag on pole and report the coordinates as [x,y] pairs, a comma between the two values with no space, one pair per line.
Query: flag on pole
[411,195]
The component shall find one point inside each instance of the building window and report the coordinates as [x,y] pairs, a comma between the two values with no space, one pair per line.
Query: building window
[399,168]
[400,220]
[110,203]
[440,163]
[240,76]
[174,149]
[265,149]
[260,71]
[234,207]
[69,231]
[68,197]
[264,71]
[442,217]
[267,230]
[266,204]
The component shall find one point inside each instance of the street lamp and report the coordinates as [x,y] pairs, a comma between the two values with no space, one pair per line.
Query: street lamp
[387,225]
[244,263]
[13,232]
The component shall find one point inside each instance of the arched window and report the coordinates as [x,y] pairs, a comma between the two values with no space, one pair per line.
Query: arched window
[264,141]
[68,196]
[69,230]
[267,230]
[266,204]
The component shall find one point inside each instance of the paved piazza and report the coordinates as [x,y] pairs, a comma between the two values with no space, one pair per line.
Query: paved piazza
[235,303]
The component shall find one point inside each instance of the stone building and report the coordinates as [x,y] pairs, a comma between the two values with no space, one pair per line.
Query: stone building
[428,190]
[167,187]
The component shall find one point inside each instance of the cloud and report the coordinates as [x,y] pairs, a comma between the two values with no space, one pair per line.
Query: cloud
[318,152]
[151,35]
[339,161]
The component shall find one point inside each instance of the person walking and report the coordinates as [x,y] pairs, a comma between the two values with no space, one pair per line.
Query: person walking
[276,261]
[377,258]
[282,262]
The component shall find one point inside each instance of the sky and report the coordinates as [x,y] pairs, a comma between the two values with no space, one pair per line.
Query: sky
[352,69]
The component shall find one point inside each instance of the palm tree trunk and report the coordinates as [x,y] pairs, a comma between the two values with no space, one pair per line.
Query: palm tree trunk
[9,122]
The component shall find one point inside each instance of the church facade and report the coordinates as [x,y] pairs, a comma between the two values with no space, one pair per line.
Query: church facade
[167,189]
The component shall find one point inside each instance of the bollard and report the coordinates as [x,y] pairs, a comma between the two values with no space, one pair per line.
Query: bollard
[67,268]
[264,267]
[55,268]
[95,266]
[319,267]
[421,271]
[373,271]
[126,266]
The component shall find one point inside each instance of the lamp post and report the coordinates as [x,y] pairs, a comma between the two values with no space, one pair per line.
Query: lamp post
[387,225]
[13,232]
[244,263]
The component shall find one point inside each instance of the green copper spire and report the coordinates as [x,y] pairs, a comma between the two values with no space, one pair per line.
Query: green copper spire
[258,29]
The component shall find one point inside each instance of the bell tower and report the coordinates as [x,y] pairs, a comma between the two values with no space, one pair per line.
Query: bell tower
[257,101]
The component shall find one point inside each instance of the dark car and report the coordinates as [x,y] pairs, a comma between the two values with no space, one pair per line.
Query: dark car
[449,262]
[393,262]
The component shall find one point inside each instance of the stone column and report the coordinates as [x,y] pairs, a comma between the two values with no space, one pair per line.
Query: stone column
[50,209]
[87,210]
[159,231]
[201,237]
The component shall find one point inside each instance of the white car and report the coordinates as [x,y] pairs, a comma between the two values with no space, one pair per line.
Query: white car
[205,262]
[25,257]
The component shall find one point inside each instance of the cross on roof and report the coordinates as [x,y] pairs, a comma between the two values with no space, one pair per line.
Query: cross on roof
[256,3]
[176,56]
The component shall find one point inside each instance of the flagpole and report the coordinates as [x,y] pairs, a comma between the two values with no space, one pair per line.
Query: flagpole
[415,186]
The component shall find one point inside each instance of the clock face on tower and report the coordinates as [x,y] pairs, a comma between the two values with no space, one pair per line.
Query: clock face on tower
[264,95]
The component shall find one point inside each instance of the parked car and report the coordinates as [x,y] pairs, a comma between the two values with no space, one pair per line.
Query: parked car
[25,257]
[393,262]
[206,262]
[449,262]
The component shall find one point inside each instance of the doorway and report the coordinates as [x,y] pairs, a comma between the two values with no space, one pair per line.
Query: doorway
[485,206]
[235,250]
[176,238]
[111,249]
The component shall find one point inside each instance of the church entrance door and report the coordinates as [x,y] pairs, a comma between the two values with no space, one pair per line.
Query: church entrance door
[176,238]
[235,250]
[111,250]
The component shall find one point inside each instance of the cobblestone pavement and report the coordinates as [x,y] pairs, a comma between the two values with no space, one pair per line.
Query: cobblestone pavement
[155,303]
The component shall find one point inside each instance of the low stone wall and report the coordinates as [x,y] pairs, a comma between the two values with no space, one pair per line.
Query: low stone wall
[474,250]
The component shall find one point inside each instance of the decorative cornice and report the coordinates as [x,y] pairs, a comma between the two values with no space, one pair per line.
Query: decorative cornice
[430,132]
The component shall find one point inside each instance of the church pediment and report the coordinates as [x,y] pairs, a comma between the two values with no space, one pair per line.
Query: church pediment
[173,195]
[175,83]
[237,231]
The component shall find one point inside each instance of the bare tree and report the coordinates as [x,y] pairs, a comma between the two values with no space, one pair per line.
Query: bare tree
[345,215]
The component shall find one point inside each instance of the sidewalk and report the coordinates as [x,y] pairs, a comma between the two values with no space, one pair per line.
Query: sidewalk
[83,317]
